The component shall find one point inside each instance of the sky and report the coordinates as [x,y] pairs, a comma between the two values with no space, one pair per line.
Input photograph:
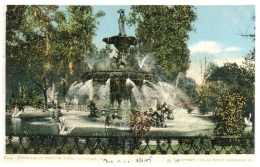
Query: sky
[216,37]
[217,26]
[217,30]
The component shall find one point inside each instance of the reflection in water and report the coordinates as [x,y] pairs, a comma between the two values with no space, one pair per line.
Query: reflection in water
[16,124]
[248,128]
[32,125]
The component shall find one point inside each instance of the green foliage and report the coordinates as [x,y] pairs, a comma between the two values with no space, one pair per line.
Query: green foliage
[32,99]
[20,102]
[228,108]
[44,43]
[239,79]
[229,115]
[231,74]
[208,96]
[188,86]
[228,77]
[163,32]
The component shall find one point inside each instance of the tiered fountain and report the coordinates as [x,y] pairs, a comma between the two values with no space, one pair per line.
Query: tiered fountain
[122,79]
[118,92]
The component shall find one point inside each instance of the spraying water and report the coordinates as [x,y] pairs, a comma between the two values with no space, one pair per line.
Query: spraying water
[80,89]
[141,62]
[146,63]
[146,96]
[150,97]
[91,62]
[179,77]
[104,92]
[152,94]
[74,88]
[136,92]
[87,89]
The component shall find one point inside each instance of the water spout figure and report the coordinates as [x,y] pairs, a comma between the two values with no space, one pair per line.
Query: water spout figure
[63,131]
[167,111]
[247,121]
[16,114]
[62,127]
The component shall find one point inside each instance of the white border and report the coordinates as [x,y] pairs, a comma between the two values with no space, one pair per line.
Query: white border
[116,2]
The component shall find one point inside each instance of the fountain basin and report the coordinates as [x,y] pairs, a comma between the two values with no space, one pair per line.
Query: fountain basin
[184,124]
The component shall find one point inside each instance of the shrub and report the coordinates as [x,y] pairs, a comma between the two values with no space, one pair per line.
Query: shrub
[229,114]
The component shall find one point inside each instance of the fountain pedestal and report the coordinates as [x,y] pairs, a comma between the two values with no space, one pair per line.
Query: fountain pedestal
[120,92]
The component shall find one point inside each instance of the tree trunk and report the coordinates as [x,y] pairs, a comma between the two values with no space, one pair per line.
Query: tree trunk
[45,100]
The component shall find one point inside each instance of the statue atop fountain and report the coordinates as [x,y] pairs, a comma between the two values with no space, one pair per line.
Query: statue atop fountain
[121,23]
[121,41]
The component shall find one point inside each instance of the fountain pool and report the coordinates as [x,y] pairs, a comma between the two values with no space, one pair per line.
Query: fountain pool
[184,124]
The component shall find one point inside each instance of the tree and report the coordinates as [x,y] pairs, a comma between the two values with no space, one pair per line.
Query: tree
[239,82]
[14,43]
[76,37]
[163,32]
[208,96]
[47,43]
[41,67]
[187,85]
[101,59]
[251,36]
[249,65]
[239,79]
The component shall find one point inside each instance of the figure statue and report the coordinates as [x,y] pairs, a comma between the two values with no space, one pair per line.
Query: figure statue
[121,22]
[121,42]
[247,120]
[119,60]
[108,121]
[166,110]
[93,109]
[57,114]
[157,117]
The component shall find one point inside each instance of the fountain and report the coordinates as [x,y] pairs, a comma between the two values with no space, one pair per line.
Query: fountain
[121,91]
[119,98]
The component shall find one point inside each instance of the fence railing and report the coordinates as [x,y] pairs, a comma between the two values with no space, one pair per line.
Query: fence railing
[31,144]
